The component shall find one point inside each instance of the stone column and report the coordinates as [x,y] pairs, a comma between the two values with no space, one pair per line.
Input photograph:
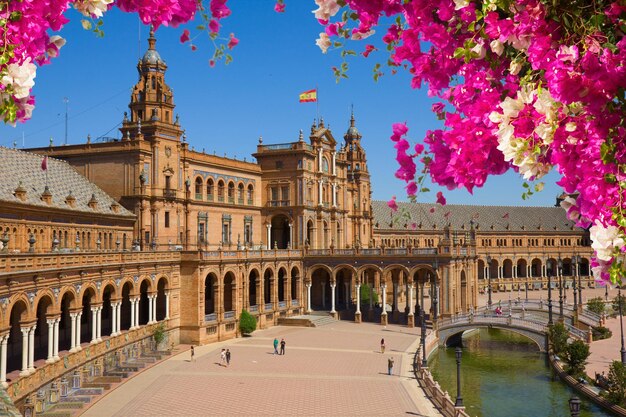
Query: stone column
[269,236]
[395,297]
[334,191]
[167,304]
[320,192]
[132,314]
[334,171]
[94,325]
[55,351]
[150,308]
[290,245]
[31,349]
[3,360]
[308,297]
[118,327]
[383,297]
[99,324]
[137,301]
[411,317]
[332,292]
[73,332]
[319,160]
[50,357]
[25,331]
[78,319]
[113,319]
[357,314]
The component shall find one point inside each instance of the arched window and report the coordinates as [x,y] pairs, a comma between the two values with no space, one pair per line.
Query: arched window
[220,191]
[324,164]
[198,188]
[240,194]
[231,192]
[209,189]
[250,194]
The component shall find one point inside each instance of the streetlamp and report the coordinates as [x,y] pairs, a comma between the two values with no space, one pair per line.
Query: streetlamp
[423,339]
[526,284]
[574,406]
[459,399]
[489,282]
[577,260]
[435,298]
[575,299]
[549,271]
[560,274]
[621,325]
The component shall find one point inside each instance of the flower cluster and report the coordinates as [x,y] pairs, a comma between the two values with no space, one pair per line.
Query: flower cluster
[529,85]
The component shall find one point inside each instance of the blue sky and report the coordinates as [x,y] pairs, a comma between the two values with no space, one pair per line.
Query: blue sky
[226,108]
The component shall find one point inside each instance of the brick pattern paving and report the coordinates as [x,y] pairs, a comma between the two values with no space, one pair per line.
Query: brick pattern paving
[327,371]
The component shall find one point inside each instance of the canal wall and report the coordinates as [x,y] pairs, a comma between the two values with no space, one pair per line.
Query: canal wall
[585,389]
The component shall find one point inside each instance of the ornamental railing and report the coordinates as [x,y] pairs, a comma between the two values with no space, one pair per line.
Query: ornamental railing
[210,317]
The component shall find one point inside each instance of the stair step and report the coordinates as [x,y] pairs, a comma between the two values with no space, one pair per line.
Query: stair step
[89,391]
[117,374]
[56,413]
[67,405]
[77,399]
[104,385]
[111,379]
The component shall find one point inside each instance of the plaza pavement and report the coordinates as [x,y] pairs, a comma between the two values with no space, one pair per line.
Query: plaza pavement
[327,371]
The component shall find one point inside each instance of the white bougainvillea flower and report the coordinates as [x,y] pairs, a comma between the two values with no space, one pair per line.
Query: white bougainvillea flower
[92,7]
[326,9]
[56,43]
[605,240]
[20,78]
[323,42]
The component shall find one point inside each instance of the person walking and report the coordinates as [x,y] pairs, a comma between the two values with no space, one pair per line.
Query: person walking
[275,346]
[193,354]
[282,346]
[223,357]
[390,365]
[382,345]
[227,357]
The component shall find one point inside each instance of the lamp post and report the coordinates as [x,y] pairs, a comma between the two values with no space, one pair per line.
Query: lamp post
[575,299]
[559,271]
[580,287]
[423,339]
[574,406]
[489,282]
[527,285]
[435,298]
[549,271]
[621,325]
[459,399]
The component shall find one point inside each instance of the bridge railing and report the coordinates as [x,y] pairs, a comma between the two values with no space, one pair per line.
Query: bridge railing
[585,316]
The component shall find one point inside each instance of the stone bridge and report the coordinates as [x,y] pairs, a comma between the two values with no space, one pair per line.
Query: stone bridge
[450,330]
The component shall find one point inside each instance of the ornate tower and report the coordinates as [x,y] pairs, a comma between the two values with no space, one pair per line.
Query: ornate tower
[359,186]
[152,100]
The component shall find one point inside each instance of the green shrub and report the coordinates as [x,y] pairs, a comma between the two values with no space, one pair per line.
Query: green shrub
[558,335]
[596,305]
[366,293]
[247,323]
[576,355]
[159,334]
[616,303]
[601,332]
[616,390]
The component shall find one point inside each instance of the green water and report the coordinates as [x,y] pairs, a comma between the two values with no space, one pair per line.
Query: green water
[504,375]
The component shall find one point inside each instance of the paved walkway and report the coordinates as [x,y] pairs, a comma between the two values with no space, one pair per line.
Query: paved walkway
[327,371]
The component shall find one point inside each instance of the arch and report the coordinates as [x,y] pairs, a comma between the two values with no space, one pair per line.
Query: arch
[43,311]
[125,309]
[343,277]
[220,189]
[210,284]
[88,299]
[295,283]
[463,289]
[108,294]
[68,303]
[361,269]
[231,192]
[240,193]
[536,268]
[283,277]
[320,288]
[481,269]
[198,188]
[228,301]
[210,186]
[144,307]
[253,282]
[522,268]
[250,194]
[309,233]
[452,335]
[161,305]
[18,317]
[280,232]
[507,269]
[268,284]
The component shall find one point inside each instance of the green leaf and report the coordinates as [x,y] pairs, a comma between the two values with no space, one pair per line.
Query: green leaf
[459,52]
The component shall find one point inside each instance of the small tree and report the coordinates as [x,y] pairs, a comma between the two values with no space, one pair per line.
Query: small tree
[558,335]
[596,305]
[576,355]
[616,390]
[366,293]
[159,334]
[247,323]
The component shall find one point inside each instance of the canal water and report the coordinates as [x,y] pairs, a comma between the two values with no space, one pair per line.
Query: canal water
[503,374]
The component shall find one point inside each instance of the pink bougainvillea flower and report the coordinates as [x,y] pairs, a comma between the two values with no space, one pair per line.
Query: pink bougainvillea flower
[392,204]
[214,26]
[399,130]
[233,41]
[185,36]
[411,188]
[441,199]
[368,50]
[279,7]
[219,10]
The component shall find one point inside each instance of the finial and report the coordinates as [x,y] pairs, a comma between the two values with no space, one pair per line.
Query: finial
[177,121]
[314,125]
[125,117]
[15,144]
[321,122]
[260,139]
[301,137]
[151,39]
[184,136]
[51,141]
[128,135]
[88,138]
[138,127]
[352,116]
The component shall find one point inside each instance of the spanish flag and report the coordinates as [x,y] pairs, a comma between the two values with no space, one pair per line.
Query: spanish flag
[308,96]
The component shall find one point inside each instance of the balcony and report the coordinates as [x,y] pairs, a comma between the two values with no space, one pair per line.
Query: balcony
[210,317]
[254,309]
[229,315]
[240,201]
[268,307]
[282,305]
[278,203]
[169,193]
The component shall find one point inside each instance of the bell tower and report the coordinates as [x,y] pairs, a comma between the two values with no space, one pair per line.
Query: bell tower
[359,186]
[152,100]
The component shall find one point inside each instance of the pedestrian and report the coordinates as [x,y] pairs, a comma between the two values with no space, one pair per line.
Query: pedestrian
[223,357]
[227,357]
[390,365]
[282,346]
[382,345]
[193,354]
[275,346]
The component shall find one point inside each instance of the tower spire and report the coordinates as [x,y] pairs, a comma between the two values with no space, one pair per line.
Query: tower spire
[151,40]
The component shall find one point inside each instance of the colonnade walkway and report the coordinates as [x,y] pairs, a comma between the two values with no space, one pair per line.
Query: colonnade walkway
[331,370]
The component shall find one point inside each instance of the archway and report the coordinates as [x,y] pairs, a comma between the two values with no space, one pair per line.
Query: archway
[161,307]
[14,348]
[320,289]
[309,233]
[144,307]
[209,293]
[295,281]
[343,289]
[126,306]
[253,281]
[229,288]
[268,278]
[86,318]
[280,232]
[107,316]
[282,277]
[463,291]
[41,331]
[65,325]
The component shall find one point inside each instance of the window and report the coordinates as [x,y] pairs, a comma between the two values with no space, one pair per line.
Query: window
[168,182]
[274,193]
[198,188]
[279,164]
[285,193]
[250,194]
[324,164]
[167,219]
[209,189]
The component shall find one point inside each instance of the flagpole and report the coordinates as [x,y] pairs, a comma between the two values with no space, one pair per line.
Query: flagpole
[317,102]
